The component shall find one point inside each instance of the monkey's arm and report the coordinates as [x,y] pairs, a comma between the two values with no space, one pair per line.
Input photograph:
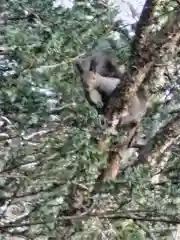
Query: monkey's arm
[92,101]
[96,98]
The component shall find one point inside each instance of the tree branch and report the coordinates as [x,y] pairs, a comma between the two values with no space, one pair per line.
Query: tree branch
[145,54]
[109,214]
[153,150]
[163,139]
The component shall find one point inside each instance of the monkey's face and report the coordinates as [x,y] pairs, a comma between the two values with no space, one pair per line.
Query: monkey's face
[89,80]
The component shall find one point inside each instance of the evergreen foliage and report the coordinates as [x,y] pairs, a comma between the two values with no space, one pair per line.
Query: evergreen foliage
[46,147]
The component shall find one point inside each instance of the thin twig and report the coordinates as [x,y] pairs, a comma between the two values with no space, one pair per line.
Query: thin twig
[172,220]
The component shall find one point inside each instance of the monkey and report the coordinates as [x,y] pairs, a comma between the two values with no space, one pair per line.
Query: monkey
[99,88]
[106,64]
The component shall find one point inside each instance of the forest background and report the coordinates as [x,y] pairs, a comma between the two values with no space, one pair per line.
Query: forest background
[50,160]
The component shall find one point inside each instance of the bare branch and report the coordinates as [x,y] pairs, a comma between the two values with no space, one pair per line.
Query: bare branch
[108,214]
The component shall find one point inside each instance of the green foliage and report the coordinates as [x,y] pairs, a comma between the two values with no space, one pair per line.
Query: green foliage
[47,125]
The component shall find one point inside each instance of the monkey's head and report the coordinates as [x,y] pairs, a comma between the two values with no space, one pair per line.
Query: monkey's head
[88,76]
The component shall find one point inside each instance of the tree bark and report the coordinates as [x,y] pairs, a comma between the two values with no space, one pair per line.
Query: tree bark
[163,139]
[147,51]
